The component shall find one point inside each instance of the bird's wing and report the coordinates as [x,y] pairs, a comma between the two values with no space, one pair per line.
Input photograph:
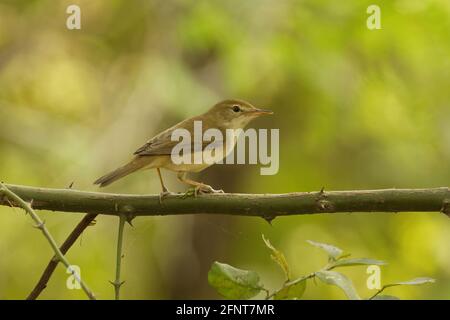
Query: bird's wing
[162,144]
[158,145]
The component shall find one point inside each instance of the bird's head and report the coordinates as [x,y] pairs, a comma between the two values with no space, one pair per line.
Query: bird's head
[233,114]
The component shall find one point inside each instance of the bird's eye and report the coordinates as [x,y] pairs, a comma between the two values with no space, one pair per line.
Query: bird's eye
[236,108]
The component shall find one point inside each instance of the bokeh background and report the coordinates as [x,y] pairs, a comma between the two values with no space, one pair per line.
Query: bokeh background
[356,109]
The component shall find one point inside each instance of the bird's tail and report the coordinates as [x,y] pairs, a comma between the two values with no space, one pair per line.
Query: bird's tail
[132,166]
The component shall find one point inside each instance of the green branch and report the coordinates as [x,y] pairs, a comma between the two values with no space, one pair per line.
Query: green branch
[267,206]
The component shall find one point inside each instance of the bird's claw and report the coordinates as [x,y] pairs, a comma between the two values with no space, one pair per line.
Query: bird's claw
[207,189]
[201,189]
[190,192]
[164,194]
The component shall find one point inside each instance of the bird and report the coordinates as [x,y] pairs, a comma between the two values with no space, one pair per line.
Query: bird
[156,152]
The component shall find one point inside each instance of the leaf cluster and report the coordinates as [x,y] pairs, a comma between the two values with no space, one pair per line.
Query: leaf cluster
[234,283]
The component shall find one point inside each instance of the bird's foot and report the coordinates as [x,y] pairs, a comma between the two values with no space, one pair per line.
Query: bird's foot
[204,188]
[200,189]
[164,194]
[189,193]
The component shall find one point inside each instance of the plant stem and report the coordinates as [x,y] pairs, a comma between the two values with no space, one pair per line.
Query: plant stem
[41,226]
[328,267]
[291,283]
[67,244]
[267,206]
[377,293]
[117,283]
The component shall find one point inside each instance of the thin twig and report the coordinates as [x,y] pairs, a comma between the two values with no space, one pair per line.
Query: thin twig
[117,283]
[312,275]
[51,266]
[291,283]
[41,226]
[378,292]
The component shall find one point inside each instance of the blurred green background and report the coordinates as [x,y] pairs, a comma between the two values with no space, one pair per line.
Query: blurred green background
[356,109]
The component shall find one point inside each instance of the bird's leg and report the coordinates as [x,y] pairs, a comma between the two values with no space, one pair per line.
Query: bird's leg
[199,187]
[165,192]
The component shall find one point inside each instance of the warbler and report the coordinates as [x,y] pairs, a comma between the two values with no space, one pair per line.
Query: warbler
[156,152]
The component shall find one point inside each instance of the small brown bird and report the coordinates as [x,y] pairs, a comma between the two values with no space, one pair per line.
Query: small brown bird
[156,153]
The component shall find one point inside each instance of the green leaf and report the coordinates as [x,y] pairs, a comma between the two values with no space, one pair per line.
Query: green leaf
[278,257]
[333,252]
[385,297]
[292,292]
[339,280]
[357,262]
[413,282]
[233,283]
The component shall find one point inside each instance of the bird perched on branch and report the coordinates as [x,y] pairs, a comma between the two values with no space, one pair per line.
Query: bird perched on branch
[156,153]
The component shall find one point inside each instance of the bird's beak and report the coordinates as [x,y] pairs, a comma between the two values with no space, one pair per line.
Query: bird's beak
[260,112]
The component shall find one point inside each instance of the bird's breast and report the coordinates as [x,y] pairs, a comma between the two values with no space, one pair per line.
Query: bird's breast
[208,156]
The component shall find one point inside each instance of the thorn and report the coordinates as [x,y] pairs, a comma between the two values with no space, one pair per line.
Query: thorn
[93,223]
[129,218]
[446,208]
[269,218]
[10,204]
[31,203]
[321,195]
[70,185]
[115,284]
[39,225]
